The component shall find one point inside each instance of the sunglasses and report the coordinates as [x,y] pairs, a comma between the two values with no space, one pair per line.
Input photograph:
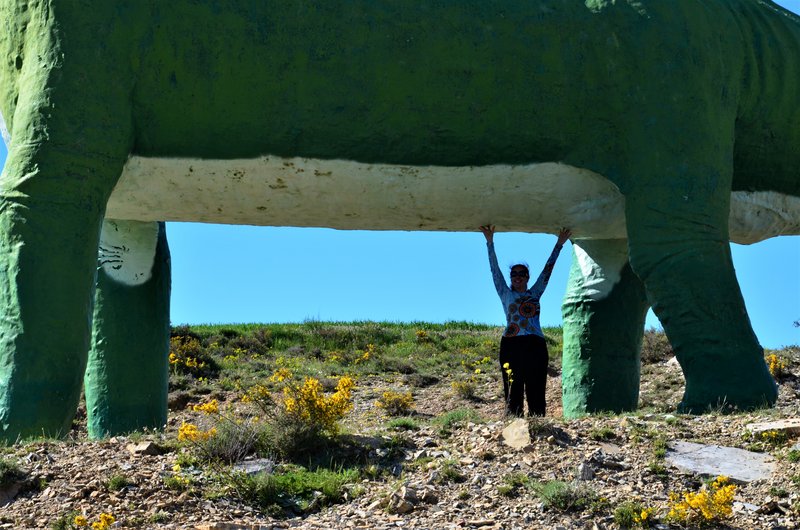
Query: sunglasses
[519,274]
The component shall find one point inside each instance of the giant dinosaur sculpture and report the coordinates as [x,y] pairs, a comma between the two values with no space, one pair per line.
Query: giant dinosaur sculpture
[645,126]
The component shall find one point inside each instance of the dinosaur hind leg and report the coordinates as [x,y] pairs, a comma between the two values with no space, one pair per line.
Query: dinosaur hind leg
[127,373]
[679,247]
[603,313]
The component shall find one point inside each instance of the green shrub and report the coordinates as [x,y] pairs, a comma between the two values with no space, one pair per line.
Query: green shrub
[421,380]
[512,484]
[396,365]
[233,441]
[402,424]
[10,472]
[657,468]
[778,492]
[159,517]
[117,481]
[633,514]
[602,433]
[449,420]
[659,447]
[450,472]
[655,347]
[295,489]
[396,445]
[564,496]
[65,521]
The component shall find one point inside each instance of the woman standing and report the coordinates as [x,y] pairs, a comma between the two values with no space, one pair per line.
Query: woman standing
[523,351]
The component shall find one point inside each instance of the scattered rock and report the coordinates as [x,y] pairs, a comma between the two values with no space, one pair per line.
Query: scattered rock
[610,449]
[744,507]
[399,505]
[584,471]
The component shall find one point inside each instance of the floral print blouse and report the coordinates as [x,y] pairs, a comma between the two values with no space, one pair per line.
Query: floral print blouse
[522,309]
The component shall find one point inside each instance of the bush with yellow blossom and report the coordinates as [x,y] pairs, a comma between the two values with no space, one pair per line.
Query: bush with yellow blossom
[396,403]
[187,356]
[192,433]
[777,366]
[302,414]
[707,507]
[308,403]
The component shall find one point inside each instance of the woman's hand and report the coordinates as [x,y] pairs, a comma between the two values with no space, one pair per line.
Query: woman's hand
[488,232]
[563,235]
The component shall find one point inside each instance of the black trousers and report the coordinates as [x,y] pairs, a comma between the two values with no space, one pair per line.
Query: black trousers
[526,356]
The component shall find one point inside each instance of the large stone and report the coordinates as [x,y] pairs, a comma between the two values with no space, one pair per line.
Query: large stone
[712,460]
[517,435]
[789,426]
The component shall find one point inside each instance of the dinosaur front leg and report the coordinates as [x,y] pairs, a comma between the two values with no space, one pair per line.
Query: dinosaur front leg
[603,311]
[679,247]
[51,206]
[71,133]
[127,374]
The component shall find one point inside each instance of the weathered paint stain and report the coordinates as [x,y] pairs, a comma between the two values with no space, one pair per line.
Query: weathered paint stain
[127,250]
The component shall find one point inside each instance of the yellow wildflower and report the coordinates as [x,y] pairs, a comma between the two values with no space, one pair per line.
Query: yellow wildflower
[212,407]
[80,521]
[280,375]
[190,432]
[104,522]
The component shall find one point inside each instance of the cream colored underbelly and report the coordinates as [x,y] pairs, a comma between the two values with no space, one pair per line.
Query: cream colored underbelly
[273,191]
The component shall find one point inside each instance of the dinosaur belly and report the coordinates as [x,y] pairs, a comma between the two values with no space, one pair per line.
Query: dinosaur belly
[759,215]
[274,191]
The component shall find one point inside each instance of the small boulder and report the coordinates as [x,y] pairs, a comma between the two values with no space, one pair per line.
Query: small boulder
[144,448]
[516,434]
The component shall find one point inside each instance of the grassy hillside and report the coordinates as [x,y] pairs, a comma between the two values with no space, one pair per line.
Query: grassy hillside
[372,421]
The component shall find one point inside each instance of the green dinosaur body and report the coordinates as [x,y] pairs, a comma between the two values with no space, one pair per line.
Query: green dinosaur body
[677,104]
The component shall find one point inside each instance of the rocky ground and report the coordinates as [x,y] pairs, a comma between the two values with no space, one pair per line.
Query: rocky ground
[462,477]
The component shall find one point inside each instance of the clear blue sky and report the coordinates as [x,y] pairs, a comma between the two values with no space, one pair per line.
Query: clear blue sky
[227,274]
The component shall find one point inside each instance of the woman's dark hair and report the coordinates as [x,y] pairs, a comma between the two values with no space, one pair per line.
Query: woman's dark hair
[524,266]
